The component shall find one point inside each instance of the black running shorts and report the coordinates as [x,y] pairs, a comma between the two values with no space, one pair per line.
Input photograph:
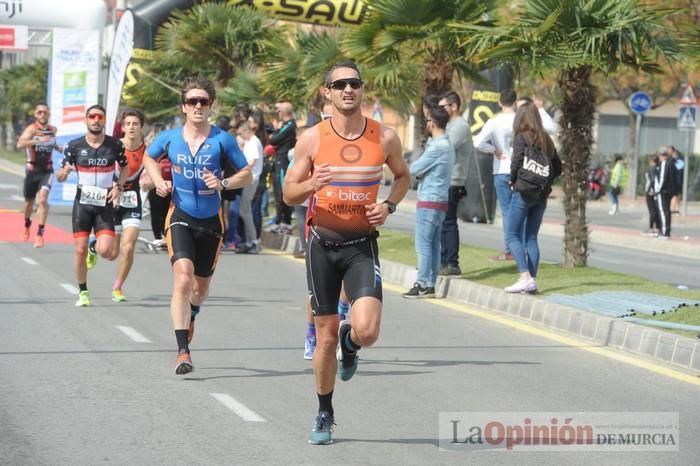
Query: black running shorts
[87,217]
[327,268]
[34,181]
[196,239]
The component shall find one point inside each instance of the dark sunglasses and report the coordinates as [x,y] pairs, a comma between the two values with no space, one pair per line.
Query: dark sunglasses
[96,116]
[193,101]
[341,84]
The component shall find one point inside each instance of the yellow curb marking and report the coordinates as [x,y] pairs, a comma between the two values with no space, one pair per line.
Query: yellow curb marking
[524,327]
[11,171]
[586,346]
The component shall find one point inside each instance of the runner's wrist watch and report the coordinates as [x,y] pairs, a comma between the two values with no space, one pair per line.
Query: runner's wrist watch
[391,205]
[225,183]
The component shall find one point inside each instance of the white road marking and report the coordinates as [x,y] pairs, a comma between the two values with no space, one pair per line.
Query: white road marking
[30,261]
[9,186]
[70,288]
[238,408]
[133,334]
[15,197]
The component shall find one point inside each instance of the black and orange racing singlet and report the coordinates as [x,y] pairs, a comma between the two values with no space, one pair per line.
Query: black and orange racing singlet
[338,209]
[39,155]
[135,164]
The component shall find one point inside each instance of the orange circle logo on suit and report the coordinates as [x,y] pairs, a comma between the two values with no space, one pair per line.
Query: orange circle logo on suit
[351,153]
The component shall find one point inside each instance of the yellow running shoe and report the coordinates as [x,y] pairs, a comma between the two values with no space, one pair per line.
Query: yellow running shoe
[83,299]
[91,258]
[118,296]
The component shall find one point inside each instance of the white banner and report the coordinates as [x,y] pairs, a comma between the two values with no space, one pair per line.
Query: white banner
[120,56]
[13,38]
[73,78]
[73,81]
[79,14]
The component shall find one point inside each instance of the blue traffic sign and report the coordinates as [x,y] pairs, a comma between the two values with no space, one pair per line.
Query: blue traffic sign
[640,102]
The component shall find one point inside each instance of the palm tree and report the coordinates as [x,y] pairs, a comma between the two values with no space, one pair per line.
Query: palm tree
[214,39]
[412,38]
[577,39]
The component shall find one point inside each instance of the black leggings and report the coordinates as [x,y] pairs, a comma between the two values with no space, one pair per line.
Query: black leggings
[159,209]
[284,212]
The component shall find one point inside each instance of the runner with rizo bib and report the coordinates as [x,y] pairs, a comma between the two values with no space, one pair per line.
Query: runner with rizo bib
[94,157]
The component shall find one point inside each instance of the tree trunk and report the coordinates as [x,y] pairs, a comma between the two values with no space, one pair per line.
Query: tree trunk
[576,137]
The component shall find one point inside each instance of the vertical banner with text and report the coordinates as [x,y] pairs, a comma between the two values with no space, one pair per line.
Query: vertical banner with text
[121,54]
[73,87]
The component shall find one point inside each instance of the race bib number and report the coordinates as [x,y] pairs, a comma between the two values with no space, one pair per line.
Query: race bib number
[128,199]
[93,195]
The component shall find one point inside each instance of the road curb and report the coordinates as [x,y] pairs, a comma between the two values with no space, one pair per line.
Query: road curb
[633,338]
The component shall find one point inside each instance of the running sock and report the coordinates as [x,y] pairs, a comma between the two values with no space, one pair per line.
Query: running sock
[346,340]
[117,284]
[82,286]
[27,222]
[343,307]
[325,402]
[195,311]
[310,329]
[40,231]
[181,337]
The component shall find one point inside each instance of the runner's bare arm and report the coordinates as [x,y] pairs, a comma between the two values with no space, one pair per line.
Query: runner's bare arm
[241,179]
[163,187]
[62,174]
[377,213]
[27,138]
[303,178]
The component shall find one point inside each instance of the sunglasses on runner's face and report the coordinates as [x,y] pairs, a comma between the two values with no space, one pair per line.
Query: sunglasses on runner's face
[341,84]
[193,101]
[96,116]
[42,112]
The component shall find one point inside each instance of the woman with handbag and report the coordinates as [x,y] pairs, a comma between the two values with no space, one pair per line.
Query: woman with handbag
[534,166]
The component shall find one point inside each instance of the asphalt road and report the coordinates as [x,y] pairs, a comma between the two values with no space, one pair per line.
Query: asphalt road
[97,386]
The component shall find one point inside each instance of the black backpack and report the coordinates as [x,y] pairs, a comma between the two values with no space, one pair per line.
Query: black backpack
[534,181]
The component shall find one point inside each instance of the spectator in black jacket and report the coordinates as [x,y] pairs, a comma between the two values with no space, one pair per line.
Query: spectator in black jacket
[283,139]
[665,188]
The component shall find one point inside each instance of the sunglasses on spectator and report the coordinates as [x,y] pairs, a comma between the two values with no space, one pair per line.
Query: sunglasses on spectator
[193,101]
[96,116]
[341,84]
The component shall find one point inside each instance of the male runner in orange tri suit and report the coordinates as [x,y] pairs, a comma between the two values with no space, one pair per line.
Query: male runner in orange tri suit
[339,164]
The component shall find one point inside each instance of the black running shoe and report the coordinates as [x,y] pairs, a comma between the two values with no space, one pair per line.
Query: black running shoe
[419,292]
[347,362]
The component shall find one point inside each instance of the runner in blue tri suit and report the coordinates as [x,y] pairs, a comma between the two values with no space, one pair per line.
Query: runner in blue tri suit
[194,225]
